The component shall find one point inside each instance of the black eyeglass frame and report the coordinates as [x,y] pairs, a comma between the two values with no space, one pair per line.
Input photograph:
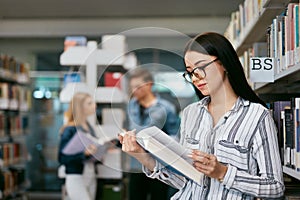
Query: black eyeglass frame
[190,74]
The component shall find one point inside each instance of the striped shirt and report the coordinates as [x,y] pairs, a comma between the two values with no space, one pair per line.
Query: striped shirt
[245,139]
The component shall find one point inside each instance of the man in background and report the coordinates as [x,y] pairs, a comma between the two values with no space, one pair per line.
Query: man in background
[147,109]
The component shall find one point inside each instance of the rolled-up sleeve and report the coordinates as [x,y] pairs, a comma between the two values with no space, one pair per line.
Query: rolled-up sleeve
[167,176]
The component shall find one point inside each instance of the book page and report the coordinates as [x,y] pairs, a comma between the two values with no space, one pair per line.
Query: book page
[169,152]
[164,139]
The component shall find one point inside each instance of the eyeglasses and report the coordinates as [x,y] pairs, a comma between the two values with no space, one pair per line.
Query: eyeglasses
[198,72]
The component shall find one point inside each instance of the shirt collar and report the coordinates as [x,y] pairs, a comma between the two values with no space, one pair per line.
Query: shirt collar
[156,95]
[204,101]
[240,102]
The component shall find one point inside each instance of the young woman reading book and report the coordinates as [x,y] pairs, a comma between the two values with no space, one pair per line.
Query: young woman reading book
[230,131]
[81,182]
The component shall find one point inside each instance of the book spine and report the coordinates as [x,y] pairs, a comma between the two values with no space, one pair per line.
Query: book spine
[285,157]
[278,108]
[297,133]
[289,129]
[296,25]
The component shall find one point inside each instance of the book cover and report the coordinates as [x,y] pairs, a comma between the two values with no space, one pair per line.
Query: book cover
[167,150]
[80,141]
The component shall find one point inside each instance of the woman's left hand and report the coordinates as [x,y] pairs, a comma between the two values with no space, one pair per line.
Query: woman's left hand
[208,164]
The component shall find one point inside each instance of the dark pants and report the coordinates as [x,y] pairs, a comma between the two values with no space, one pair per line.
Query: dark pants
[140,186]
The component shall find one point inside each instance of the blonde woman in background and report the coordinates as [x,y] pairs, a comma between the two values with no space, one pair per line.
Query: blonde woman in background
[80,180]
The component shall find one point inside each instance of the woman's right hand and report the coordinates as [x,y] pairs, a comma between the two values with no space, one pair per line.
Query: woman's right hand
[90,150]
[131,147]
[129,143]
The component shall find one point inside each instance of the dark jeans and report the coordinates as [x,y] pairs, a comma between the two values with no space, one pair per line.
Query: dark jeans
[140,186]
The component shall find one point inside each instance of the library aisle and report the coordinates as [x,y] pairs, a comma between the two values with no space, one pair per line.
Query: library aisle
[46,57]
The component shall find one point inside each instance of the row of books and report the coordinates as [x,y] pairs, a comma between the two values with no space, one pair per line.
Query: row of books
[283,38]
[11,180]
[248,11]
[10,153]
[283,42]
[13,125]
[287,117]
[14,97]
[14,70]
[15,101]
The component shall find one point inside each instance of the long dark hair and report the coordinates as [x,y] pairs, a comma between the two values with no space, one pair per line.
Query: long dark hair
[215,44]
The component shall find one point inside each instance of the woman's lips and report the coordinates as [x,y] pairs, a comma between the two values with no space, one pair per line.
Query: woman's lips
[200,86]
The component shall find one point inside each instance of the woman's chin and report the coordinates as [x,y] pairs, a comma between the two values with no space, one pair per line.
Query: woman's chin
[204,92]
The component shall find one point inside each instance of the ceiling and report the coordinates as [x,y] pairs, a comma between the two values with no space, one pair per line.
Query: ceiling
[29,27]
[40,18]
[41,9]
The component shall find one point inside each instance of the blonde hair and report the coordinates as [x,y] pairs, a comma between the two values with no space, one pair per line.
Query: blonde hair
[74,115]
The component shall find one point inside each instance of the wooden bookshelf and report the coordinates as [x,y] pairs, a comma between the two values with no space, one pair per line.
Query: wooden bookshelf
[14,107]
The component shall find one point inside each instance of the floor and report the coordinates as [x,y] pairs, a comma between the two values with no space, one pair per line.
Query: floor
[44,196]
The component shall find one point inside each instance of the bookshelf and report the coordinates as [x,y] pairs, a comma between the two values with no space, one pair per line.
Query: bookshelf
[14,107]
[255,31]
[286,81]
[103,69]
[291,172]
[287,73]
[255,28]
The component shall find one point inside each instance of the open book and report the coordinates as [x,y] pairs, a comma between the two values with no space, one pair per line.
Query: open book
[166,149]
[80,141]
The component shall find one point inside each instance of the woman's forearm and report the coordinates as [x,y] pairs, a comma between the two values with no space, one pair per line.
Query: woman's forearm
[147,160]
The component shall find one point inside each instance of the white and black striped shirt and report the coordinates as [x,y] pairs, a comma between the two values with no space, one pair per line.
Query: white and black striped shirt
[244,139]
